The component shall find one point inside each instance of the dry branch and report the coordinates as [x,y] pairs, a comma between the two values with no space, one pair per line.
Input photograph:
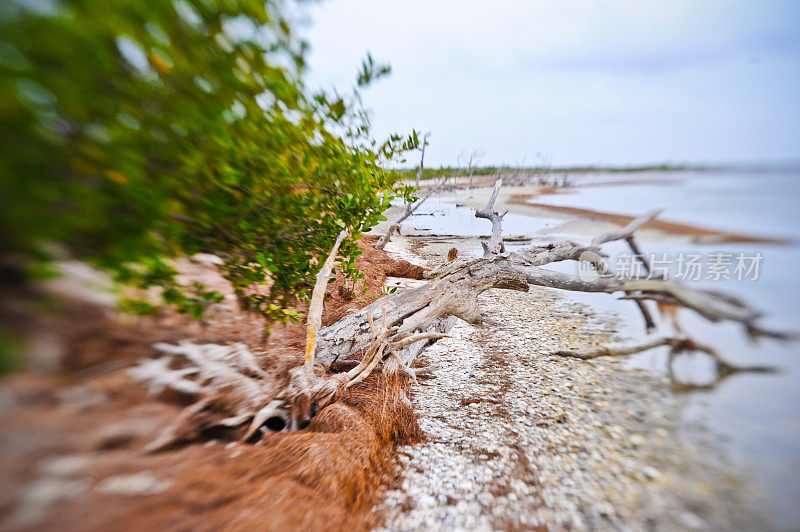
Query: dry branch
[678,345]
[410,209]
[628,230]
[495,244]
[314,319]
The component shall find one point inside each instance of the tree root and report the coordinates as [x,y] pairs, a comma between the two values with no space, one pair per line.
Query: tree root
[229,386]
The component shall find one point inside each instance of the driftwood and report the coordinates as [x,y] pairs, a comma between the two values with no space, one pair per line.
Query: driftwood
[723,367]
[414,318]
[677,345]
[495,244]
[411,208]
[314,319]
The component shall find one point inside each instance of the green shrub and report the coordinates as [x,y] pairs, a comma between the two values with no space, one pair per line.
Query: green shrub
[133,131]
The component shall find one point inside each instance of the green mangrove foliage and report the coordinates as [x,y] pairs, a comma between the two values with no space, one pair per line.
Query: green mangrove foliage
[133,131]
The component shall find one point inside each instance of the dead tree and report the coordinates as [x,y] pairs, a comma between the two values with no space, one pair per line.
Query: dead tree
[390,333]
[421,168]
[411,207]
[473,158]
[542,170]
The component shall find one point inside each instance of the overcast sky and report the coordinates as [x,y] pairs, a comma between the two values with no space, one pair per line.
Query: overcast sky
[579,82]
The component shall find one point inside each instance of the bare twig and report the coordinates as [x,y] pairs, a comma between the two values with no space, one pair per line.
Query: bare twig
[410,209]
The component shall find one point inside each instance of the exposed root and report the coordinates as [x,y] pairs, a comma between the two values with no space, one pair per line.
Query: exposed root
[314,319]
[408,340]
[230,387]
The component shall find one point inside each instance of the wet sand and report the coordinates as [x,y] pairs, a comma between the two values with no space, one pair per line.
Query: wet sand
[695,233]
[522,200]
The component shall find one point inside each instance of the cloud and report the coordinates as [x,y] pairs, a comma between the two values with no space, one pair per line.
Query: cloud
[619,80]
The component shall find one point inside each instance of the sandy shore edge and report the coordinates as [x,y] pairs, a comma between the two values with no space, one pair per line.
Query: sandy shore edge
[517,438]
[526,200]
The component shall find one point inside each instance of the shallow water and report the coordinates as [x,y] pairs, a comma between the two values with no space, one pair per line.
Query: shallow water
[734,201]
[756,415]
[444,215]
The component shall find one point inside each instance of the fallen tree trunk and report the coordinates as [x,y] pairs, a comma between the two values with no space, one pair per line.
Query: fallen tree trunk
[413,318]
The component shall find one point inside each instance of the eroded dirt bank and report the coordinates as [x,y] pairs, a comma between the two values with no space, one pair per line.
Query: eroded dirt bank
[70,446]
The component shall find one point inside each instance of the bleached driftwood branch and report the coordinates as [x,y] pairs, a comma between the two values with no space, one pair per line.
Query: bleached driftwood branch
[724,367]
[314,319]
[626,233]
[677,344]
[495,244]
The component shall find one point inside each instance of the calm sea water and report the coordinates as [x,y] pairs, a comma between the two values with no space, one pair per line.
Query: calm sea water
[757,416]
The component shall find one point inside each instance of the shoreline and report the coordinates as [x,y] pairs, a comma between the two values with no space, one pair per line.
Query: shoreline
[516,438]
[583,221]
[701,235]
